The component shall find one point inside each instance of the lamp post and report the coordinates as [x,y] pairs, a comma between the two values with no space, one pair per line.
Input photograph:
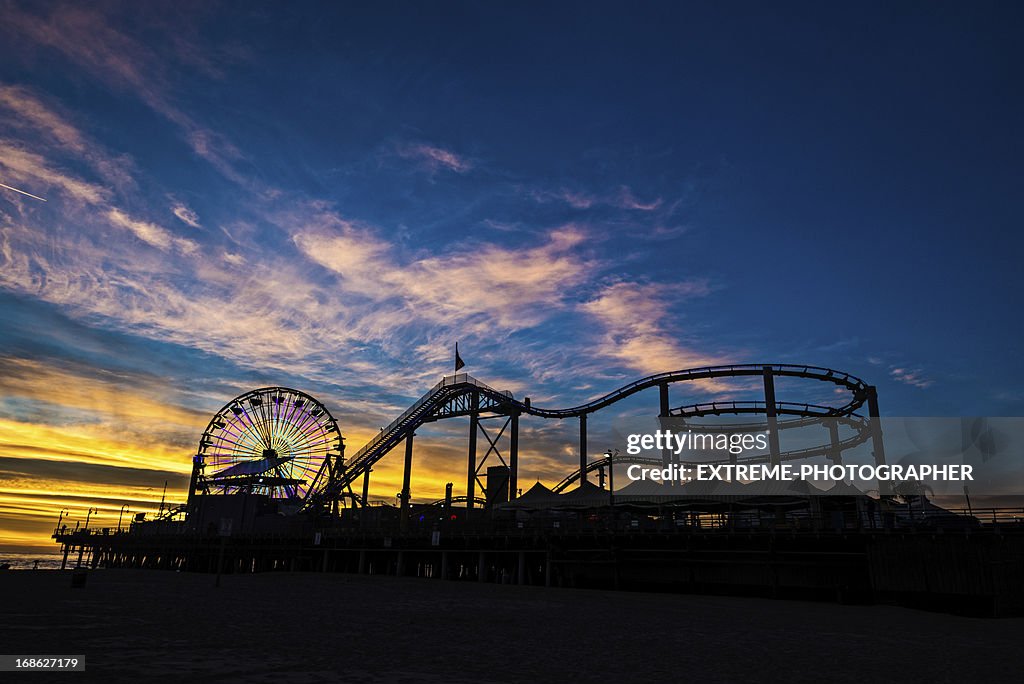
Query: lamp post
[123,508]
[611,454]
[87,515]
[81,545]
[60,518]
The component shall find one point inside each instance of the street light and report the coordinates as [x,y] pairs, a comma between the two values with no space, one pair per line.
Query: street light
[123,507]
[87,515]
[60,518]
[611,454]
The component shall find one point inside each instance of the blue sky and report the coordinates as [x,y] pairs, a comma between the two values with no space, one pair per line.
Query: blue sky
[330,195]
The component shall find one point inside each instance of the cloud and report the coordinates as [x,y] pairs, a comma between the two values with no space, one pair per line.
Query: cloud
[635,319]
[480,285]
[186,215]
[23,168]
[912,377]
[574,198]
[434,158]
[623,198]
[30,109]
[627,200]
[32,114]
[131,65]
[152,234]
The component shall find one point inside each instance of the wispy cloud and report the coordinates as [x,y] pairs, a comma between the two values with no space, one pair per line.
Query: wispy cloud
[186,215]
[434,158]
[635,318]
[627,200]
[151,233]
[622,198]
[128,64]
[478,285]
[910,376]
[28,169]
[33,116]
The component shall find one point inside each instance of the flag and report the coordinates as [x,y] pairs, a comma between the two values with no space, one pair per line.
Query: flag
[459,363]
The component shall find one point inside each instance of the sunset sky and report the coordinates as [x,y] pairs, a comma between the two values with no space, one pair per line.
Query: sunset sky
[328,196]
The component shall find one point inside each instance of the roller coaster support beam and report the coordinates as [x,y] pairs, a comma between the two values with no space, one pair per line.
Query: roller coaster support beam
[366,486]
[513,458]
[335,475]
[664,411]
[583,448]
[404,519]
[877,447]
[474,420]
[835,454]
[876,426]
[770,408]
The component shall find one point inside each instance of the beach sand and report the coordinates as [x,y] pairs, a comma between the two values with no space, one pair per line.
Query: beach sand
[134,625]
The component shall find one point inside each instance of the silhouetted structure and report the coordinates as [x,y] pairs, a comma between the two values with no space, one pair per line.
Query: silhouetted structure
[786,540]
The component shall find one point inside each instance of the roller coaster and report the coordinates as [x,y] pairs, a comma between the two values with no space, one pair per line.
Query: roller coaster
[265,440]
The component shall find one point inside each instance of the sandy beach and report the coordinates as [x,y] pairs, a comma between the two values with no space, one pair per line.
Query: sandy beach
[303,627]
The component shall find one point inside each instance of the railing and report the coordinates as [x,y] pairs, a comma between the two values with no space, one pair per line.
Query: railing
[992,515]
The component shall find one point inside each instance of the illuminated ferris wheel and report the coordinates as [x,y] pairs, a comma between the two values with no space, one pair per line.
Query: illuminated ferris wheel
[270,441]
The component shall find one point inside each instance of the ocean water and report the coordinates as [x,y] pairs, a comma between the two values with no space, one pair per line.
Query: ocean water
[25,561]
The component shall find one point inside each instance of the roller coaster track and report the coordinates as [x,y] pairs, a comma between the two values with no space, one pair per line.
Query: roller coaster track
[461,395]
[860,425]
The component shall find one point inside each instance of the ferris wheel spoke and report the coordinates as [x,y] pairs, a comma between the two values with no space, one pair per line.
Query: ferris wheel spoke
[256,421]
[299,428]
[242,444]
[292,431]
[241,425]
[262,411]
[233,427]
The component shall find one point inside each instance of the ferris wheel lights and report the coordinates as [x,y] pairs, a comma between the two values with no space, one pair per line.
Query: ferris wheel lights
[272,441]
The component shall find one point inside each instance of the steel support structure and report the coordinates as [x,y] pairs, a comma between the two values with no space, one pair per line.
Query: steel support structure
[835,454]
[583,449]
[509,426]
[513,457]
[664,411]
[771,408]
[406,476]
[474,422]
[877,446]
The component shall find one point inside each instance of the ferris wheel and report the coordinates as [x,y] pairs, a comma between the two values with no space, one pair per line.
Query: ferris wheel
[270,441]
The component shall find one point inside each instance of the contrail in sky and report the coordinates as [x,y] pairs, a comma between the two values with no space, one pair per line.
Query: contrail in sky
[22,192]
